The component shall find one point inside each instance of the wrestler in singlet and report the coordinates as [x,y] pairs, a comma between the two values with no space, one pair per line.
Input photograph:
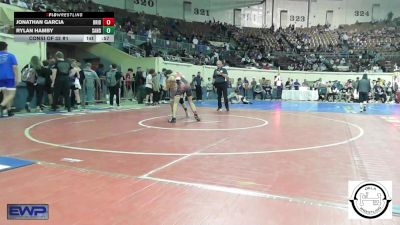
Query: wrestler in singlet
[178,91]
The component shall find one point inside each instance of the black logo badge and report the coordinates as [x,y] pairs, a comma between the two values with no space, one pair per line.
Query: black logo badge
[370,200]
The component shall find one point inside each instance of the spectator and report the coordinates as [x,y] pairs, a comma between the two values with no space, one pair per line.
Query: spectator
[147,47]
[258,90]
[128,80]
[246,86]
[32,69]
[198,86]
[89,84]
[163,83]
[156,88]
[61,83]
[253,84]
[209,87]
[279,86]
[76,76]
[305,83]
[47,73]
[8,79]
[363,88]
[296,85]
[389,91]
[100,71]
[379,92]
[195,41]
[20,4]
[113,78]
[149,87]
[239,85]
[268,90]
[235,98]
[139,80]
[288,84]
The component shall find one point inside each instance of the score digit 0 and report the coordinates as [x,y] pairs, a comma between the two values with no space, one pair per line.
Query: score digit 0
[108,30]
[108,21]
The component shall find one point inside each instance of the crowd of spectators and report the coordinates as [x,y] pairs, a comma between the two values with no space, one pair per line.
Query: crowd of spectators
[318,48]
[358,47]
[383,91]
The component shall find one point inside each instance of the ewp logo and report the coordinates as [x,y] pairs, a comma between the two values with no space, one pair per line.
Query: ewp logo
[27,212]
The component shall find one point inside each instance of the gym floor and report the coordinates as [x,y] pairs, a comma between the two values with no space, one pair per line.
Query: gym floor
[265,163]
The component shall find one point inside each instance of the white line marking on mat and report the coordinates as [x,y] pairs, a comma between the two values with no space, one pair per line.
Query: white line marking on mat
[194,121]
[264,123]
[251,193]
[71,160]
[183,158]
[262,151]
[83,121]
[29,136]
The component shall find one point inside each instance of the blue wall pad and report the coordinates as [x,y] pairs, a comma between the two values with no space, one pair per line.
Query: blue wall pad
[298,106]
[8,163]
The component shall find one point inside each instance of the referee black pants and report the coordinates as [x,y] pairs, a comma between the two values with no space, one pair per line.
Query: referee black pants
[62,85]
[222,90]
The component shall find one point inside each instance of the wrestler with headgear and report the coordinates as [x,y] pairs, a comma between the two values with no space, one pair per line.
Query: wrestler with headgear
[179,88]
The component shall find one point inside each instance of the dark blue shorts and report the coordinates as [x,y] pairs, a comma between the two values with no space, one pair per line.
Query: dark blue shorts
[7,84]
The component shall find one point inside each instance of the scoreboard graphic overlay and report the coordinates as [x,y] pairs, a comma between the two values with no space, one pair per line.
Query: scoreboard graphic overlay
[64,27]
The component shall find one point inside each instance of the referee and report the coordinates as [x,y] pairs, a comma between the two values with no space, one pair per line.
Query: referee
[221,84]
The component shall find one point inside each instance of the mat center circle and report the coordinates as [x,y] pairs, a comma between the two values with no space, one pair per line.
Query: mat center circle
[209,122]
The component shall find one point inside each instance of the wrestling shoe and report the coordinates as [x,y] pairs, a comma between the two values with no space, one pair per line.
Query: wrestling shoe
[10,113]
[27,109]
[197,117]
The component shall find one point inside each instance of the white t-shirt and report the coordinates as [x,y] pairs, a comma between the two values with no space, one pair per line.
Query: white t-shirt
[149,81]
[278,81]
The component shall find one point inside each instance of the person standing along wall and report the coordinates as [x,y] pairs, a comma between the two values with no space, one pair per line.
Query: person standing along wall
[46,72]
[128,83]
[101,91]
[30,76]
[89,84]
[61,81]
[40,85]
[156,88]
[8,78]
[279,87]
[198,86]
[149,87]
[209,87]
[113,78]
[163,83]
[75,76]
[139,82]
[363,89]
